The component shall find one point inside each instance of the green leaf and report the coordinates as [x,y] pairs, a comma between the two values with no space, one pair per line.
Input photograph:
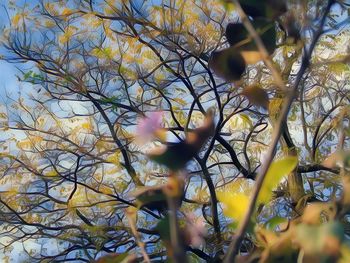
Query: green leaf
[109,100]
[278,169]
[273,222]
[163,227]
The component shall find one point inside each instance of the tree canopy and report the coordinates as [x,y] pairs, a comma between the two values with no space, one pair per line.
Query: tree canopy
[176,131]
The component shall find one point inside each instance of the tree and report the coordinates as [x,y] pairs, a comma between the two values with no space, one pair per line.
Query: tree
[241,122]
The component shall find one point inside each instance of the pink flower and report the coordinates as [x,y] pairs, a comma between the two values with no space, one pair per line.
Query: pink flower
[195,230]
[149,127]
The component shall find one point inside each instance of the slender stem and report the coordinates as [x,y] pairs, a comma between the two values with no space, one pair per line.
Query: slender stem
[136,234]
[236,242]
[177,246]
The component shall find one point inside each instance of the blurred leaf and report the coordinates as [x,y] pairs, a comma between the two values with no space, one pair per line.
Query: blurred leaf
[301,200]
[345,254]
[173,155]
[109,100]
[236,33]
[163,227]
[174,186]
[278,246]
[235,204]
[268,8]
[267,32]
[228,5]
[346,190]
[151,197]
[316,213]
[256,96]
[278,169]
[230,63]
[265,237]
[324,239]
[227,64]
[239,122]
[113,258]
[16,19]
[251,57]
[176,155]
[337,158]
[238,36]
[291,28]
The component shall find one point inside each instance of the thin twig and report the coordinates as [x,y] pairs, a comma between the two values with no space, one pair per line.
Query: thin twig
[132,222]
[177,246]
[236,242]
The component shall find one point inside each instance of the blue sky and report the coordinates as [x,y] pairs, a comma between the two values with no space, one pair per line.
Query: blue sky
[8,80]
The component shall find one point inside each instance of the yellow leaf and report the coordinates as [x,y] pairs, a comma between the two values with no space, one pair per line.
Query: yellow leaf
[106,190]
[51,8]
[104,53]
[80,198]
[52,173]
[181,101]
[67,12]
[25,144]
[67,35]
[86,126]
[113,158]
[49,23]
[15,19]
[275,106]
[36,139]
[235,204]
[239,122]
[278,169]
[114,170]
[345,254]
[246,120]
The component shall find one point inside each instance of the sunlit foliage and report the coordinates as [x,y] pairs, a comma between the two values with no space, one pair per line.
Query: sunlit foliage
[131,109]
